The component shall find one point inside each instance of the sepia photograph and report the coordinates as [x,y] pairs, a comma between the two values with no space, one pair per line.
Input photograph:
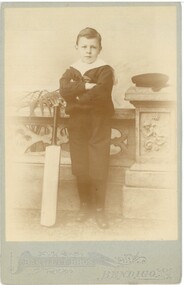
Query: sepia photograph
[92,122]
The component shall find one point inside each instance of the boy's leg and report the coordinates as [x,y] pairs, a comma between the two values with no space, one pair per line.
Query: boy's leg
[99,147]
[99,153]
[79,132]
[83,186]
[78,139]
[99,192]
[99,188]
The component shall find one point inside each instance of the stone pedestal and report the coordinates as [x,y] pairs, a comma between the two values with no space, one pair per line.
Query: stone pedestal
[150,190]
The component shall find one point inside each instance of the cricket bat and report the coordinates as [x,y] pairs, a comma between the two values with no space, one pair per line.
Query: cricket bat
[51,178]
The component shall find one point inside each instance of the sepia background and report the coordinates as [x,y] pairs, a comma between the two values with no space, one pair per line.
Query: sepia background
[39,44]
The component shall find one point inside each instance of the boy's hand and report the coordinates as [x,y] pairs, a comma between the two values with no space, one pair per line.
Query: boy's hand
[89,86]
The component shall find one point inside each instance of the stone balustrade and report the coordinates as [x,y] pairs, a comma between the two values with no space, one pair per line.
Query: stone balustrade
[30,136]
[150,189]
[142,180]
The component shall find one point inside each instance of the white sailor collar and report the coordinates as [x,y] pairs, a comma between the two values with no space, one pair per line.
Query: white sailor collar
[83,67]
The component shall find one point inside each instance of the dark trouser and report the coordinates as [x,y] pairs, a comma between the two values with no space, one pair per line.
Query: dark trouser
[89,137]
[91,192]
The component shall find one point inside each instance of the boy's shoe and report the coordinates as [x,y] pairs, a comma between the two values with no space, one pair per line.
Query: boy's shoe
[101,219]
[83,213]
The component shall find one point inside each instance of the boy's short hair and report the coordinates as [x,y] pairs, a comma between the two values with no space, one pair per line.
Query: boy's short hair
[89,33]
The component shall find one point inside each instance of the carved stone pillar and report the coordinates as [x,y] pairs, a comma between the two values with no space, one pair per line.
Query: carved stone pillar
[150,190]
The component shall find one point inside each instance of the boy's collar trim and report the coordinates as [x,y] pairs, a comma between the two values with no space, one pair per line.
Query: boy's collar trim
[83,67]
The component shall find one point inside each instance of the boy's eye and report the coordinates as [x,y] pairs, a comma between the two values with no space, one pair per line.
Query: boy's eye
[93,47]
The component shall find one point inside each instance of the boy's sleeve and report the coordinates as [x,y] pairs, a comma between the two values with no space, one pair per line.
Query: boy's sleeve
[70,89]
[102,91]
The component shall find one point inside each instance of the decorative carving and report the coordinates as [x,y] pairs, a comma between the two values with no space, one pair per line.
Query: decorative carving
[119,141]
[63,138]
[34,138]
[154,132]
[31,135]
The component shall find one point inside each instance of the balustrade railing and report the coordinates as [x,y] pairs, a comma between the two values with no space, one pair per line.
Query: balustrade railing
[31,134]
[143,162]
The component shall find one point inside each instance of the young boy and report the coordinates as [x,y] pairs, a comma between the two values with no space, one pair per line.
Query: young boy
[86,87]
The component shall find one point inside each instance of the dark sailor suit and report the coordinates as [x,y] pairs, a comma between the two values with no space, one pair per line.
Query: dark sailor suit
[90,117]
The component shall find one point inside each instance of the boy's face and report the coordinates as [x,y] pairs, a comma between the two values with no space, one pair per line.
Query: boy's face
[89,49]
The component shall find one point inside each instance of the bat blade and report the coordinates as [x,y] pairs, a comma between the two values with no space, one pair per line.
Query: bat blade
[50,185]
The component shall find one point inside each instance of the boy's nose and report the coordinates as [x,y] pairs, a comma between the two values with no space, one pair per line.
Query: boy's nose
[88,50]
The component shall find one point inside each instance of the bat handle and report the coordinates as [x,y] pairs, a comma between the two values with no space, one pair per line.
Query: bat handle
[54,130]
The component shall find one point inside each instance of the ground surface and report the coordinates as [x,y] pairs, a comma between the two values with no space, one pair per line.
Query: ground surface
[24,225]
